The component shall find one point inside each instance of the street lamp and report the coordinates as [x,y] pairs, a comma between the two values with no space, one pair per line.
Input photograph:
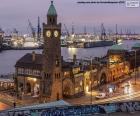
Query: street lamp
[91,58]
[135,65]
[91,79]
[14,92]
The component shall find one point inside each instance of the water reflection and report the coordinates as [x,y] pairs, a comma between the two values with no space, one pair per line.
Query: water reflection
[9,58]
[72,51]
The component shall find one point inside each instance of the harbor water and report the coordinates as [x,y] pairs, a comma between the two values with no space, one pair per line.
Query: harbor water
[8,58]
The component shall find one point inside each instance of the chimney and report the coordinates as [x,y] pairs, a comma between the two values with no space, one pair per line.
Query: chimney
[74,58]
[33,56]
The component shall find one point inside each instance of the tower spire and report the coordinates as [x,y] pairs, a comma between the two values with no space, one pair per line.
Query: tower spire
[52,10]
[52,15]
[52,78]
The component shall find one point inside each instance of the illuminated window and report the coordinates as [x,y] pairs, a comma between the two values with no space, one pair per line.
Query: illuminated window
[57,63]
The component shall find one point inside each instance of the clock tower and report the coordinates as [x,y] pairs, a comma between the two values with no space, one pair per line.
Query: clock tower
[52,77]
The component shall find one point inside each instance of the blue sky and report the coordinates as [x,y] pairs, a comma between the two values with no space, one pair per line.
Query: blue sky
[15,14]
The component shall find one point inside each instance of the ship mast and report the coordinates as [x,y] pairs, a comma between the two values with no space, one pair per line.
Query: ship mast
[85,30]
[68,34]
[38,29]
[116,33]
[73,29]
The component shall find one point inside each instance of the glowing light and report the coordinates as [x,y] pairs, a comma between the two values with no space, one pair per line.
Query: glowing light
[32,79]
[110,90]
[81,83]
[126,90]
[120,42]
[87,89]
[72,51]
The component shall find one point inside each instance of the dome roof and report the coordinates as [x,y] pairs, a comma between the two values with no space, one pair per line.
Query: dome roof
[117,47]
[52,10]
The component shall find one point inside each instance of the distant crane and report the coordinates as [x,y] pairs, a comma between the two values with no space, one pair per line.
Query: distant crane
[94,31]
[32,29]
[85,30]
[68,34]
[116,29]
[103,32]
[121,32]
[72,29]
[116,34]
[38,29]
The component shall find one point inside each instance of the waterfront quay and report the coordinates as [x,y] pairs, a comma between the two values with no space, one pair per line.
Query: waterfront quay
[47,84]
[122,89]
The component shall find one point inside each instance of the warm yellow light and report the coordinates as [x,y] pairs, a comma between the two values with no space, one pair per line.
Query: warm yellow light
[87,88]
[32,79]
[81,83]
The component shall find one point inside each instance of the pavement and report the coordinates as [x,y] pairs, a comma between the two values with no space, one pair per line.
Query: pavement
[123,93]
[3,106]
[126,91]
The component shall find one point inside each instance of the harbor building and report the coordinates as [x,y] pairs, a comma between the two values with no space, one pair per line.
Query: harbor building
[118,63]
[29,73]
[118,66]
[47,75]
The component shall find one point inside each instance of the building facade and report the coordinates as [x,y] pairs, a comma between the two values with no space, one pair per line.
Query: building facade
[52,77]
[47,76]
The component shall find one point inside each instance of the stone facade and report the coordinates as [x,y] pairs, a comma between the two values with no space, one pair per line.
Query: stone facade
[47,75]
[52,78]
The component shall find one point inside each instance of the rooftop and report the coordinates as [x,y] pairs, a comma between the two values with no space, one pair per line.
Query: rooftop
[52,10]
[117,49]
[28,62]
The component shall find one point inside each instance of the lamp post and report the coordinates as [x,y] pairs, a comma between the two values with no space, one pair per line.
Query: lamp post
[135,65]
[91,78]
[91,58]
[14,92]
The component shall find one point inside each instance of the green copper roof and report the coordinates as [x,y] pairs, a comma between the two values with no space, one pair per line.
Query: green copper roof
[52,10]
[136,45]
[117,48]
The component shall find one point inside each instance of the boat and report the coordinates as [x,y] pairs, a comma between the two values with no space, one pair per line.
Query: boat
[1,38]
[101,43]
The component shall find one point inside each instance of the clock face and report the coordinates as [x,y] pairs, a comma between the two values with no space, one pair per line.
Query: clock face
[48,33]
[56,33]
